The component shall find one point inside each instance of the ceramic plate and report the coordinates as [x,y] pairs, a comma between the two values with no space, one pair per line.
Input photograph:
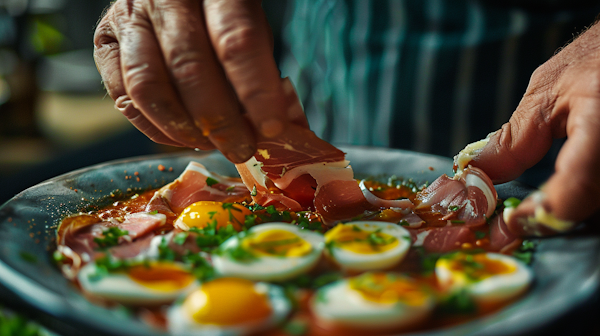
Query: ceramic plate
[566,267]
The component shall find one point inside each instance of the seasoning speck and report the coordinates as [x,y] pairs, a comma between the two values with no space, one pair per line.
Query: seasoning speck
[161,167]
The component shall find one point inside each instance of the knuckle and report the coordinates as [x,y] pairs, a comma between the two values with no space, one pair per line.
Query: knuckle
[186,66]
[237,42]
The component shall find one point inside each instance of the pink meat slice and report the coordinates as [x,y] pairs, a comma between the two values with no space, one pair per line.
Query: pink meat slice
[288,171]
[501,238]
[296,147]
[191,186]
[469,197]
[448,238]
[139,226]
[340,200]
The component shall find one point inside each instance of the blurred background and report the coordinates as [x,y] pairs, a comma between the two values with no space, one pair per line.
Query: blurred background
[55,115]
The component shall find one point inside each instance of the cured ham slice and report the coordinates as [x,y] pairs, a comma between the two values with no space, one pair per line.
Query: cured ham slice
[445,239]
[468,198]
[291,171]
[78,234]
[196,184]
[501,238]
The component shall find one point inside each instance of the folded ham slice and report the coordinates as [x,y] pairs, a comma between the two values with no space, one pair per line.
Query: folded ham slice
[196,184]
[469,198]
[78,234]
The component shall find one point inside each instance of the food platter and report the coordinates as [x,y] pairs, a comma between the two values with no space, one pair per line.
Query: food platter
[566,267]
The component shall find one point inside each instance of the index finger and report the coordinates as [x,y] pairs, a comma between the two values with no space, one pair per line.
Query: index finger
[571,194]
[240,34]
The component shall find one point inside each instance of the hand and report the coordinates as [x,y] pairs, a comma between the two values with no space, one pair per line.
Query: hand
[562,99]
[195,73]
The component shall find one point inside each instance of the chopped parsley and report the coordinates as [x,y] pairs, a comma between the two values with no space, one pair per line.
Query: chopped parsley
[453,208]
[404,222]
[459,302]
[165,252]
[200,268]
[295,327]
[305,223]
[254,192]
[525,251]
[154,212]
[512,202]
[480,234]
[211,236]
[28,257]
[239,253]
[230,188]
[211,181]
[110,237]
[180,238]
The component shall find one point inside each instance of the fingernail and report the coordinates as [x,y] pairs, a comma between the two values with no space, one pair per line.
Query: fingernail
[122,102]
[462,159]
[240,154]
[271,128]
[538,219]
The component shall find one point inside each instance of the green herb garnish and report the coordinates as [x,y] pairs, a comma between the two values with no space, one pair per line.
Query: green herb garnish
[28,257]
[180,238]
[211,181]
[512,202]
[458,303]
[111,237]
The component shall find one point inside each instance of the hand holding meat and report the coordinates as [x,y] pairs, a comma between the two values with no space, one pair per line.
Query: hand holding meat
[198,74]
[562,99]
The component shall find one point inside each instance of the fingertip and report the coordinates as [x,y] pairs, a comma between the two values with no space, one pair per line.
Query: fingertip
[271,128]
[535,216]
[240,154]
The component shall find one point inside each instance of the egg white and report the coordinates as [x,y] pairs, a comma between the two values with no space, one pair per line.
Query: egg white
[181,324]
[350,260]
[494,289]
[270,268]
[119,287]
[337,304]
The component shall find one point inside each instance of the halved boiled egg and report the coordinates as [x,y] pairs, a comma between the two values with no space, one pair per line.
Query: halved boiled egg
[144,284]
[269,252]
[373,301]
[487,277]
[367,245]
[229,306]
[204,213]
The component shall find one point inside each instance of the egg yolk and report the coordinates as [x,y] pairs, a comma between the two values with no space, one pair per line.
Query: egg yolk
[227,301]
[474,267]
[352,238]
[388,289]
[204,213]
[277,242]
[162,277]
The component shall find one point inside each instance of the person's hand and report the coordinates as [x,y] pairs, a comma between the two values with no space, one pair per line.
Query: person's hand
[562,99]
[192,73]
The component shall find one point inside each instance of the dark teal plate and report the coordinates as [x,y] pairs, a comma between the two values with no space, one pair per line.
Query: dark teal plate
[566,268]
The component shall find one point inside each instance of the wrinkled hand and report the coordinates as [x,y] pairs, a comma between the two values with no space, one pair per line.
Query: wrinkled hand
[562,99]
[192,73]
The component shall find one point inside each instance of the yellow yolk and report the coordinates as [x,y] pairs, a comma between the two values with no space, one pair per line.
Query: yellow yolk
[203,213]
[474,267]
[388,289]
[161,277]
[227,301]
[354,239]
[277,242]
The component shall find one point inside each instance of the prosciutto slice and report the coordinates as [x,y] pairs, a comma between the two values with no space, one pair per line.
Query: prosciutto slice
[445,239]
[78,234]
[196,184]
[501,238]
[468,198]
